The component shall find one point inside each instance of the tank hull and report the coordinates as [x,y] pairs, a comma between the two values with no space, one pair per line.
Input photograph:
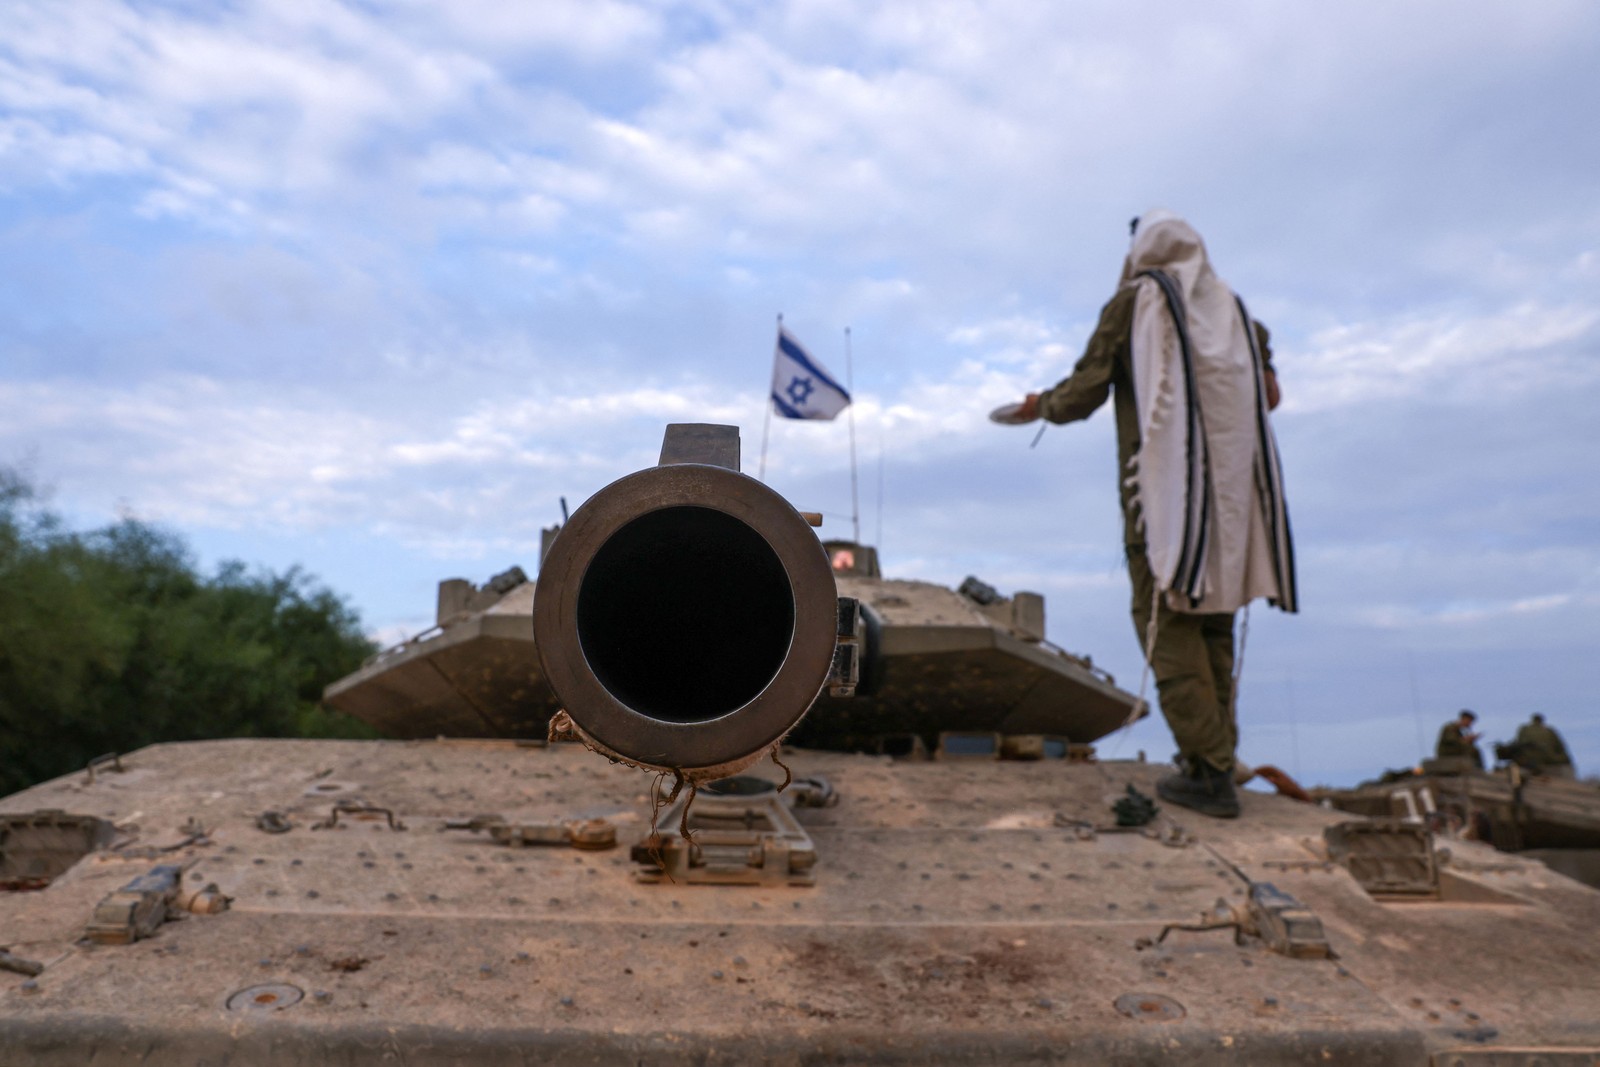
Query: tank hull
[478,678]
[1505,807]
[958,914]
[939,678]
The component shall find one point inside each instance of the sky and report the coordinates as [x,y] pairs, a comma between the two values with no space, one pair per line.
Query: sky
[370,287]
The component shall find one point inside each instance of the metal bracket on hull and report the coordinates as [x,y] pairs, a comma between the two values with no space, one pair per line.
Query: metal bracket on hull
[734,839]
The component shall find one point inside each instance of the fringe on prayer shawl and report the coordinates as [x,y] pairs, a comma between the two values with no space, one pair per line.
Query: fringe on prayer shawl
[1175,472]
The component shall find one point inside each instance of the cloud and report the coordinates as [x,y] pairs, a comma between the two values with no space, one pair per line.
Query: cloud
[1448,356]
[210,453]
[405,277]
[1461,613]
[275,101]
[875,131]
[31,152]
[590,31]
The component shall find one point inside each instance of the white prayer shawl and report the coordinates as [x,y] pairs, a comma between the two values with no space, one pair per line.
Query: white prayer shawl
[1206,480]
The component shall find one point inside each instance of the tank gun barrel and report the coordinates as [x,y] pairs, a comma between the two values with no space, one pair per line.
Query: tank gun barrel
[686,616]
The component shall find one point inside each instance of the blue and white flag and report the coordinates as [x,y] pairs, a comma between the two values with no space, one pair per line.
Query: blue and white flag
[801,388]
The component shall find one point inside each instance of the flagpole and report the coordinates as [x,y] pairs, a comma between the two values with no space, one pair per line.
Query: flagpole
[766,426]
[850,384]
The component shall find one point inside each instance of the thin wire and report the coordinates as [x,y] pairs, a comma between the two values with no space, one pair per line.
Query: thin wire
[1416,704]
[1144,675]
[1149,653]
[880,483]
[1294,729]
[850,387]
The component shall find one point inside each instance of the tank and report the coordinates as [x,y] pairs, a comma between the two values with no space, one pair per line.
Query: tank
[745,900]
[937,665]
[1548,817]
[471,674]
[945,666]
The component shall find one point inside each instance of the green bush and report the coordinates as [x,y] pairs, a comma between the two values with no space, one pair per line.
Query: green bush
[110,640]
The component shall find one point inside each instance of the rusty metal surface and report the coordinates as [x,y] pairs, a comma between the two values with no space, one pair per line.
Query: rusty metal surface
[137,909]
[1515,1057]
[39,845]
[1386,855]
[959,914]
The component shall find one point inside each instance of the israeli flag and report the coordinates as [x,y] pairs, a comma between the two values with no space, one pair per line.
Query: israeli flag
[801,388]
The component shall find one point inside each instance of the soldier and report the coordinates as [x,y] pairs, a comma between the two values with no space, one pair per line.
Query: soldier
[1457,739]
[1541,750]
[1205,526]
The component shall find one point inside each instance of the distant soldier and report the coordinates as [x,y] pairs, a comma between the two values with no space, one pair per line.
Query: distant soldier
[1458,739]
[1541,750]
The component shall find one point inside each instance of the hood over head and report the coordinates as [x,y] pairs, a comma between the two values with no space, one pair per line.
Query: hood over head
[1164,241]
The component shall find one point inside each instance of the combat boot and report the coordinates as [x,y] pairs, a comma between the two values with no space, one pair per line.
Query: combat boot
[1201,788]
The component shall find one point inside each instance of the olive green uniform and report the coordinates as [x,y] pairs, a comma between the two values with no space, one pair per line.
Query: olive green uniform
[1541,747]
[1193,654]
[1453,744]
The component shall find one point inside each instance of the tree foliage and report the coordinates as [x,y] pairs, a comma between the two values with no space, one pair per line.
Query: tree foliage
[111,640]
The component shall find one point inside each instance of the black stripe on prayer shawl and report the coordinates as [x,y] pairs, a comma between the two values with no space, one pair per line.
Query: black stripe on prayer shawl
[1190,579]
[1269,478]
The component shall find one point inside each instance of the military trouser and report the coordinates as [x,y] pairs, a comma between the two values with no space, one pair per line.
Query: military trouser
[1193,665]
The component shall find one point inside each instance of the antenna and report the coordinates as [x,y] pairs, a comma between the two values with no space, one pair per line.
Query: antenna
[1416,706]
[766,402]
[850,386]
[1294,729]
[879,541]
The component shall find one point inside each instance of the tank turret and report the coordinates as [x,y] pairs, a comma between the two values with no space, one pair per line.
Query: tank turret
[688,592]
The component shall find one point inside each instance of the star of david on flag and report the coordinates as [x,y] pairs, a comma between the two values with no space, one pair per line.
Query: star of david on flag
[801,387]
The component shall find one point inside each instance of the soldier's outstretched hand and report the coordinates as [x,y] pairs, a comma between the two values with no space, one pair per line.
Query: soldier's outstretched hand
[1017,414]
